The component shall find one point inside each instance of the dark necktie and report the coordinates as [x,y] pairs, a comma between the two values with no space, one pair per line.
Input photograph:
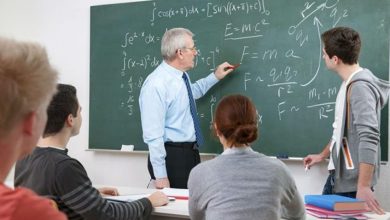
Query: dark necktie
[195,118]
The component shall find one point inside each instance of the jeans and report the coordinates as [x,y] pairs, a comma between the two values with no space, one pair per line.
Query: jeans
[329,187]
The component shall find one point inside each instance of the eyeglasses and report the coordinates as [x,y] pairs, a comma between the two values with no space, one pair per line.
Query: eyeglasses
[193,49]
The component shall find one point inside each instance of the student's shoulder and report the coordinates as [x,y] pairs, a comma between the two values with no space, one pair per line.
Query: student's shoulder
[26,196]
[205,165]
[272,163]
[202,173]
[70,162]
[69,166]
[49,154]
[58,157]
[32,206]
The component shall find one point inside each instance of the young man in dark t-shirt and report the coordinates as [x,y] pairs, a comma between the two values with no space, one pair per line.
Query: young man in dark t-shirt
[50,172]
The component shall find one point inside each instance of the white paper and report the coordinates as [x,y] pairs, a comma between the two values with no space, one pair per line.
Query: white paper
[127,198]
[177,193]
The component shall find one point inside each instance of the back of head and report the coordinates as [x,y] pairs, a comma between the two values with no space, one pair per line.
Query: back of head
[26,81]
[342,42]
[172,40]
[236,119]
[63,103]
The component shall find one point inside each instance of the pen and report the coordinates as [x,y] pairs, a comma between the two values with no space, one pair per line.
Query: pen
[180,197]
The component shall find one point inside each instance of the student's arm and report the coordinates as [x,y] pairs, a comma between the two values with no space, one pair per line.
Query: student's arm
[364,191]
[292,204]
[294,210]
[110,191]
[313,159]
[195,191]
[76,191]
[158,199]
[364,111]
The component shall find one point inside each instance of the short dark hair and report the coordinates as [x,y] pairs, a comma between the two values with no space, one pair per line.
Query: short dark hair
[63,103]
[236,119]
[343,42]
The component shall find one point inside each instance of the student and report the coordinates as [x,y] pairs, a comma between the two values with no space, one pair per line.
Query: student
[27,83]
[357,116]
[170,124]
[50,172]
[241,183]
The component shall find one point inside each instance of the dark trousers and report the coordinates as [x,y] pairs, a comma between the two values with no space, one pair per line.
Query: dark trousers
[329,187]
[180,159]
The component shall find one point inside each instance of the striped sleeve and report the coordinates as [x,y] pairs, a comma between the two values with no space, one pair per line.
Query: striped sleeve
[80,198]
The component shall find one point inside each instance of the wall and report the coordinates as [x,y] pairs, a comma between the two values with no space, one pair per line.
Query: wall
[63,27]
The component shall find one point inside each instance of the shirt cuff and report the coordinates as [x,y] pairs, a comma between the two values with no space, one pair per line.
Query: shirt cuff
[212,78]
[160,172]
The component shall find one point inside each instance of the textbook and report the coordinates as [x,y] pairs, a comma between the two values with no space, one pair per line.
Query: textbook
[336,216]
[335,202]
[176,193]
[324,213]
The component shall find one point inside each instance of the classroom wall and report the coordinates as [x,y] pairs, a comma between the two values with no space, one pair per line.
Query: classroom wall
[63,27]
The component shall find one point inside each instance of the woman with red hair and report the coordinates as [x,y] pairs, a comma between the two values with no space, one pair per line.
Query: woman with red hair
[241,183]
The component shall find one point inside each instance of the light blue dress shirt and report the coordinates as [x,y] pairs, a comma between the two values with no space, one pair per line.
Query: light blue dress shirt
[165,111]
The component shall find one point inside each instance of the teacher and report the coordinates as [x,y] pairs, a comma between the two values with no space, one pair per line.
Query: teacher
[170,123]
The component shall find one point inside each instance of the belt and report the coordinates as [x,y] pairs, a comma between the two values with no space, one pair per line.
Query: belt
[187,145]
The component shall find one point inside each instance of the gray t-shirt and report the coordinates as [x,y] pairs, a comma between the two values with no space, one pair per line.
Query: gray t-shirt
[243,184]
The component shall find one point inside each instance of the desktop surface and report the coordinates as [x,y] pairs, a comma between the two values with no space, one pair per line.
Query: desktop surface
[178,209]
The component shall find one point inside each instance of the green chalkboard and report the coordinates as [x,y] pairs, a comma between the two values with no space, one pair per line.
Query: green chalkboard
[277,43]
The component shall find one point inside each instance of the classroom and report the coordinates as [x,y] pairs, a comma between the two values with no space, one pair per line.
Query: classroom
[64,28]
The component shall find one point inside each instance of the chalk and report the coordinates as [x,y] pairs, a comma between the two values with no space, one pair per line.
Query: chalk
[306,168]
[234,66]
[127,147]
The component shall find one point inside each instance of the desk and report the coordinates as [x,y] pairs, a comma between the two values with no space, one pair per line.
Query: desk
[179,208]
[173,210]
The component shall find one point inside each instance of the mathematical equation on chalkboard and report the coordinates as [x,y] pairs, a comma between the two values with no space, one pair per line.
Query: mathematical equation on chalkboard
[284,74]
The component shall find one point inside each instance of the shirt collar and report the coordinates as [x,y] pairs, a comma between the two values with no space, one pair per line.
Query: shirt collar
[353,74]
[172,70]
[237,150]
[59,149]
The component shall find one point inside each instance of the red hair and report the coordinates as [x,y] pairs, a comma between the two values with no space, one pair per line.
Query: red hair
[236,119]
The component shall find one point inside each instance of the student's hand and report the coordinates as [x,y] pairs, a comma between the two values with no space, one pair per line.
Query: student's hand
[109,191]
[162,183]
[312,159]
[158,199]
[222,70]
[366,194]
